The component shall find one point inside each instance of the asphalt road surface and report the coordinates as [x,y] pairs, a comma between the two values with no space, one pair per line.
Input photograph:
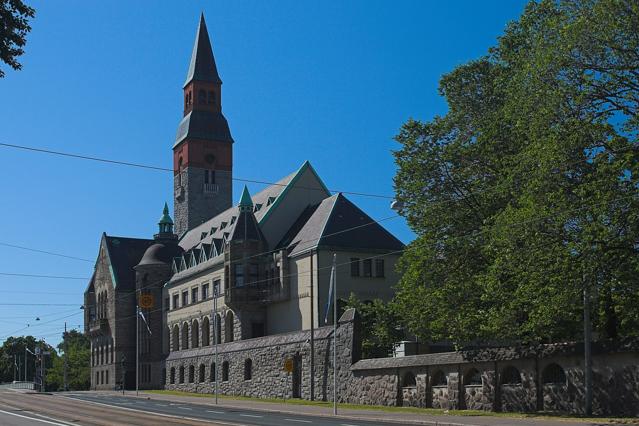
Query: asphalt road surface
[20,409]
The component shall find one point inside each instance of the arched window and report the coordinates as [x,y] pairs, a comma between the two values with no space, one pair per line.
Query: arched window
[195,334]
[163,378]
[201,97]
[408,381]
[202,375]
[439,379]
[225,371]
[191,373]
[211,97]
[185,335]
[510,376]
[181,374]
[228,327]
[553,374]
[473,377]
[206,331]
[212,373]
[218,328]
[248,369]
[176,338]
[172,375]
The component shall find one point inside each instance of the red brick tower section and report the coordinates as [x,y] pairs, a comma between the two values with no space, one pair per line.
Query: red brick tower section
[203,149]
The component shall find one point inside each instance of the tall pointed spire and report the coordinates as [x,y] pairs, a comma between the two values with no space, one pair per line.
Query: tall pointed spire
[202,66]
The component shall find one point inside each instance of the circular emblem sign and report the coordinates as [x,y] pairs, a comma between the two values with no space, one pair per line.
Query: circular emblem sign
[146,301]
[288,365]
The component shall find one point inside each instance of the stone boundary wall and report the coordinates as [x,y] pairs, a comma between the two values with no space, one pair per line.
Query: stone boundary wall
[256,366]
[520,379]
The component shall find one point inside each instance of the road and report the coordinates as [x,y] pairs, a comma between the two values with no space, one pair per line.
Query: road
[20,409]
[108,409]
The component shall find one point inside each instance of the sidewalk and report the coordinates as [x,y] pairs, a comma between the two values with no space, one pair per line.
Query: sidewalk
[371,414]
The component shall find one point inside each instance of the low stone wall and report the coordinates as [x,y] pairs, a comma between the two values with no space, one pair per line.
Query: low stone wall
[544,377]
[519,379]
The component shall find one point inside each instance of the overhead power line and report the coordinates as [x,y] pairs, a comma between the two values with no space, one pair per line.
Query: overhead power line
[44,252]
[10,274]
[164,169]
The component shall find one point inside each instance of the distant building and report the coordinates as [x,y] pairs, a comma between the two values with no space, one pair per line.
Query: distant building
[267,258]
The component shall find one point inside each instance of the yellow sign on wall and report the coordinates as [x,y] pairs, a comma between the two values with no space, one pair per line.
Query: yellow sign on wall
[288,365]
[146,301]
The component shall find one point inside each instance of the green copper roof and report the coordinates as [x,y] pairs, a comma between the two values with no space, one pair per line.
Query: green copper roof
[245,200]
[165,216]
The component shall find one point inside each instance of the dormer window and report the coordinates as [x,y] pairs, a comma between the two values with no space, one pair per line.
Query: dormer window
[270,201]
[257,207]
[213,230]
[223,225]
[233,220]
[203,236]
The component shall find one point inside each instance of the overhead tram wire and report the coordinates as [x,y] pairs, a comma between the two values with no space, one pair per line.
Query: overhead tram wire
[44,252]
[10,274]
[164,169]
[395,252]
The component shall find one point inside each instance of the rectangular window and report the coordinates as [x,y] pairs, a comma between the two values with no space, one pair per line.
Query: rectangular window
[379,267]
[206,176]
[107,377]
[185,298]
[354,267]
[167,304]
[212,178]
[239,275]
[368,266]
[176,301]
[205,291]
[253,272]
[194,294]
[216,287]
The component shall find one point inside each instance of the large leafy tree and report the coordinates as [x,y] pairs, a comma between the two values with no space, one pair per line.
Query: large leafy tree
[12,355]
[380,326]
[78,353]
[525,193]
[14,26]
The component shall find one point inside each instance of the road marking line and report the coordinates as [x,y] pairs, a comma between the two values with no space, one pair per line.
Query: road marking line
[251,415]
[216,412]
[299,420]
[155,413]
[347,424]
[34,419]
[185,408]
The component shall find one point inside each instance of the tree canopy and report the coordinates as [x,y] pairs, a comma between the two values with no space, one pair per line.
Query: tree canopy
[78,352]
[14,26]
[525,192]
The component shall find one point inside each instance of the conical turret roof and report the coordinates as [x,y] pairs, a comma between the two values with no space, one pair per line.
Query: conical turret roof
[202,66]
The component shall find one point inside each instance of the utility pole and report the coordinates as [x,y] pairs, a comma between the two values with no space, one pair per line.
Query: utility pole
[334,334]
[215,328]
[312,333]
[15,366]
[66,387]
[137,350]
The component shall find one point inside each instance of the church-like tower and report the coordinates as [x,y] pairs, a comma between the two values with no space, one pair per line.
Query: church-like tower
[203,149]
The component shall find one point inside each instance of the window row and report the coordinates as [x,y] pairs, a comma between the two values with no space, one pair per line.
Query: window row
[188,335]
[202,376]
[102,352]
[102,377]
[364,268]
[195,295]
[203,98]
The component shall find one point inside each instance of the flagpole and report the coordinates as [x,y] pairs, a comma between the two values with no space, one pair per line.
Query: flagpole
[137,349]
[334,334]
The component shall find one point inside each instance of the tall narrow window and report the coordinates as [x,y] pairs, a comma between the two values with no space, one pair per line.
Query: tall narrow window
[248,369]
[201,97]
[239,275]
[354,267]
[367,267]
[194,294]
[379,268]
[176,301]
[211,97]
[205,291]
[253,273]
[225,371]
[185,298]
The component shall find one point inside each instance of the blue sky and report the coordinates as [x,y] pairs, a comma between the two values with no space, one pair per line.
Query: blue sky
[328,82]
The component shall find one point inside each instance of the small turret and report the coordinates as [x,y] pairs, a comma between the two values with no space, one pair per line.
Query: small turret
[165,226]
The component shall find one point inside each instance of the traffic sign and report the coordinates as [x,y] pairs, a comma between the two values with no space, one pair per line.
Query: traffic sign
[288,365]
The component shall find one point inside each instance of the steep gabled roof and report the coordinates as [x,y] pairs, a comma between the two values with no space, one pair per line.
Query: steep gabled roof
[192,238]
[337,222]
[125,253]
